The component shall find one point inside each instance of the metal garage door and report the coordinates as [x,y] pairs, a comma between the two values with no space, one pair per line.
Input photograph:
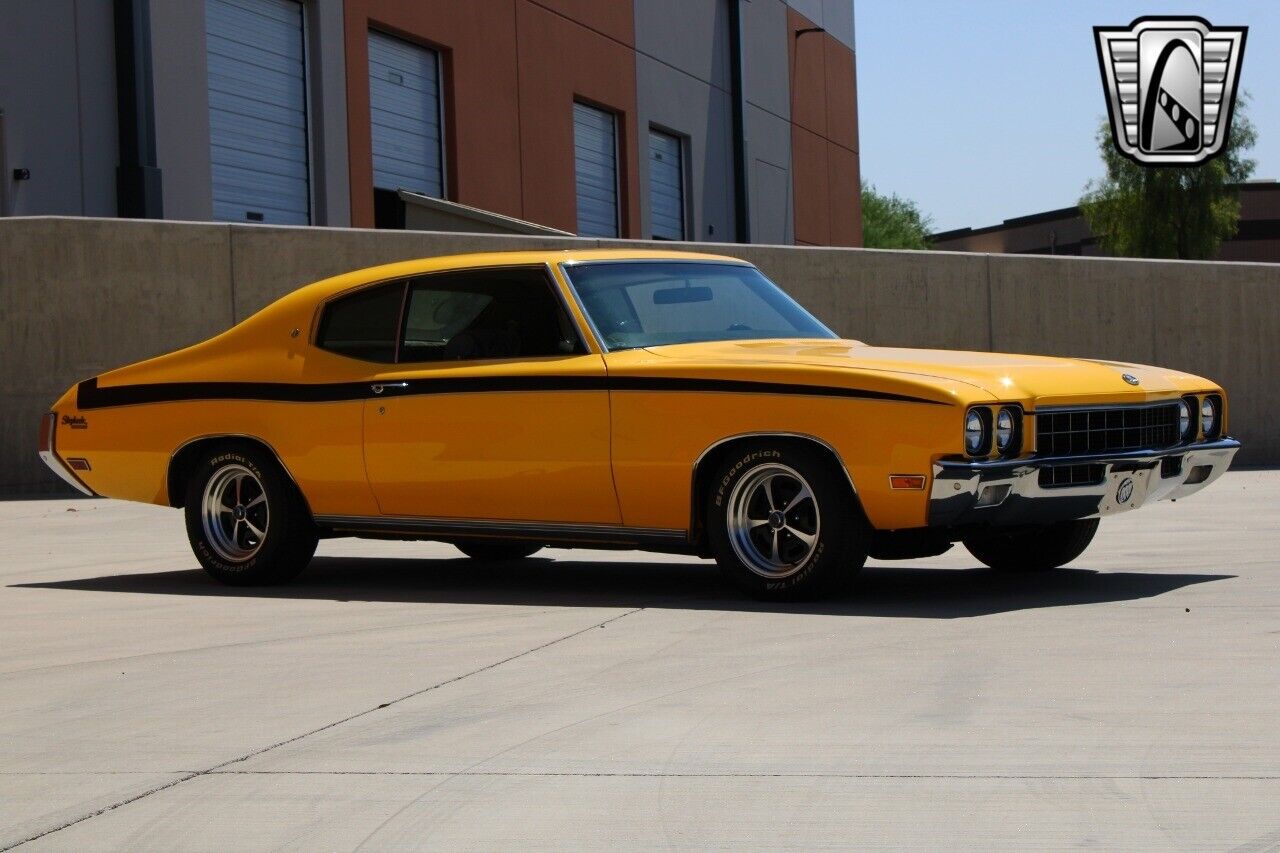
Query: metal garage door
[595,149]
[404,108]
[666,186]
[258,111]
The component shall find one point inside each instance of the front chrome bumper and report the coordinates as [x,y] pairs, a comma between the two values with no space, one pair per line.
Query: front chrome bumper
[1008,491]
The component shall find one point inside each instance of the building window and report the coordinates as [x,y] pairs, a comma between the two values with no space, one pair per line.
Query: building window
[406,122]
[666,186]
[258,111]
[595,148]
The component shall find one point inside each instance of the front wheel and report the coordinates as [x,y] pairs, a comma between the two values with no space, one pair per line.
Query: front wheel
[1035,549]
[246,521]
[783,523]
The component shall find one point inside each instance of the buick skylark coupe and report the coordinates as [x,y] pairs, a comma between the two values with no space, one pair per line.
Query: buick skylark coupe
[659,401]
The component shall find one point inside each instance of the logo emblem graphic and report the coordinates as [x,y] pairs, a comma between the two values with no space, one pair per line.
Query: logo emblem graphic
[1171,87]
[1130,378]
[1125,491]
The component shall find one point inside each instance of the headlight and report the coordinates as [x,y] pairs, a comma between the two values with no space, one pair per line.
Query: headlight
[1006,429]
[975,433]
[1185,427]
[1209,417]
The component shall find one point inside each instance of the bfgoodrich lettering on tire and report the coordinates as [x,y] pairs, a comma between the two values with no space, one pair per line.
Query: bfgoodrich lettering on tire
[782,521]
[246,522]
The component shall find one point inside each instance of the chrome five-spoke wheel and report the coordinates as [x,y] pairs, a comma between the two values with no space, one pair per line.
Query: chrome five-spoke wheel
[773,520]
[235,513]
[247,521]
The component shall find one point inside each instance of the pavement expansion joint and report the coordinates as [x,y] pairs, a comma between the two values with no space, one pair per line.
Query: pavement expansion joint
[217,768]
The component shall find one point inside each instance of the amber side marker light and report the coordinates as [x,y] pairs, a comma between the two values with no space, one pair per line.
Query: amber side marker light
[911,482]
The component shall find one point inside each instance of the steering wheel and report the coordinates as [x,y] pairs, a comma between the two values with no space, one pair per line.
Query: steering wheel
[739,327]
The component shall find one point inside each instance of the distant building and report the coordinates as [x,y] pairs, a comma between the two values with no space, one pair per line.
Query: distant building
[711,120]
[1064,232]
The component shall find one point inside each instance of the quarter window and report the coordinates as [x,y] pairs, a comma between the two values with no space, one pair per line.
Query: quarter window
[363,325]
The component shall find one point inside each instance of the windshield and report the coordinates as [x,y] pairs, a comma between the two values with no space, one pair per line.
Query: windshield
[651,303]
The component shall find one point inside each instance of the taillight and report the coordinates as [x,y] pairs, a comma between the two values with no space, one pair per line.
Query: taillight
[47,425]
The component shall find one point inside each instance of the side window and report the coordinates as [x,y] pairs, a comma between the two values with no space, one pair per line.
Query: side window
[480,314]
[363,325]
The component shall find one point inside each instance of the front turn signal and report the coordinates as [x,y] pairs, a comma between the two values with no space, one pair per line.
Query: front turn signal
[913,482]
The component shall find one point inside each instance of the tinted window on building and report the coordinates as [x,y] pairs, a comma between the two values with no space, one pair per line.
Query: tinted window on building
[485,314]
[364,325]
[595,149]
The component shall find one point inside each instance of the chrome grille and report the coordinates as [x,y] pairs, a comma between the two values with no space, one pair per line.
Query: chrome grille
[1079,432]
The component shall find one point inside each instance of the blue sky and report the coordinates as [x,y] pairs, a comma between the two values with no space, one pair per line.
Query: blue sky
[985,110]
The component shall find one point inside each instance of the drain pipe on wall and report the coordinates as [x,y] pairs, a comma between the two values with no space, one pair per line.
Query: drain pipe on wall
[138,187]
[741,199]
[4,172]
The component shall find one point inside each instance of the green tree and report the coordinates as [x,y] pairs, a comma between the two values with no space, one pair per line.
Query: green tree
[1169,211]
[890,222]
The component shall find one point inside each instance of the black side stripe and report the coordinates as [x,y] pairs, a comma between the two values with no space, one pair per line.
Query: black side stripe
[90,396]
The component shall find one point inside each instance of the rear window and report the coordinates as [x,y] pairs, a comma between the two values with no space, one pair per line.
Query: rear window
[364,325]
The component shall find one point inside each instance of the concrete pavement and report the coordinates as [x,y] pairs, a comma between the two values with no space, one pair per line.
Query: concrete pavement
[397,696]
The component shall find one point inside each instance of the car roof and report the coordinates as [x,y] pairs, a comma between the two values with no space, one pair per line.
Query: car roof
[443,263]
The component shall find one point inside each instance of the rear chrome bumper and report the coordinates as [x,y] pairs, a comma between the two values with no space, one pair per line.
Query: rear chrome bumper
[1008,491]
[57,466]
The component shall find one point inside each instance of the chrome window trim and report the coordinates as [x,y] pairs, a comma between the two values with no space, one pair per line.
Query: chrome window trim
[599,338]
[582,308]
[406,282]
[579,262]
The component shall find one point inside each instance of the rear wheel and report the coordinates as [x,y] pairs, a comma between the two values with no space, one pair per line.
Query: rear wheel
[245,519]
[783,523]
[496,551]
[1035,549]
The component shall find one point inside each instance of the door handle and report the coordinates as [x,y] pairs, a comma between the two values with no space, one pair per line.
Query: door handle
[379,387]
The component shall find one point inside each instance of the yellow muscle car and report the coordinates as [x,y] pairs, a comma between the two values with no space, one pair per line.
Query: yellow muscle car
[623,399]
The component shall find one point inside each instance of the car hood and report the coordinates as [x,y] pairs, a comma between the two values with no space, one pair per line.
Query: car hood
[1005,376]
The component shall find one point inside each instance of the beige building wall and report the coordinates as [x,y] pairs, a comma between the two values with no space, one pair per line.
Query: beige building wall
[80,296]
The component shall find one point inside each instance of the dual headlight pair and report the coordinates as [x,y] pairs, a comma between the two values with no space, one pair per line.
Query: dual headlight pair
[1210,417]
[979,431]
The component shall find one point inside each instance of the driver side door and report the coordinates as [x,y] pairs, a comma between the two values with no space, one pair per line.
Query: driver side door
[494,408]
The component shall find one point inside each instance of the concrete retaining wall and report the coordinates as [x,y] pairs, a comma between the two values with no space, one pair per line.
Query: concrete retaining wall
[80,296]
